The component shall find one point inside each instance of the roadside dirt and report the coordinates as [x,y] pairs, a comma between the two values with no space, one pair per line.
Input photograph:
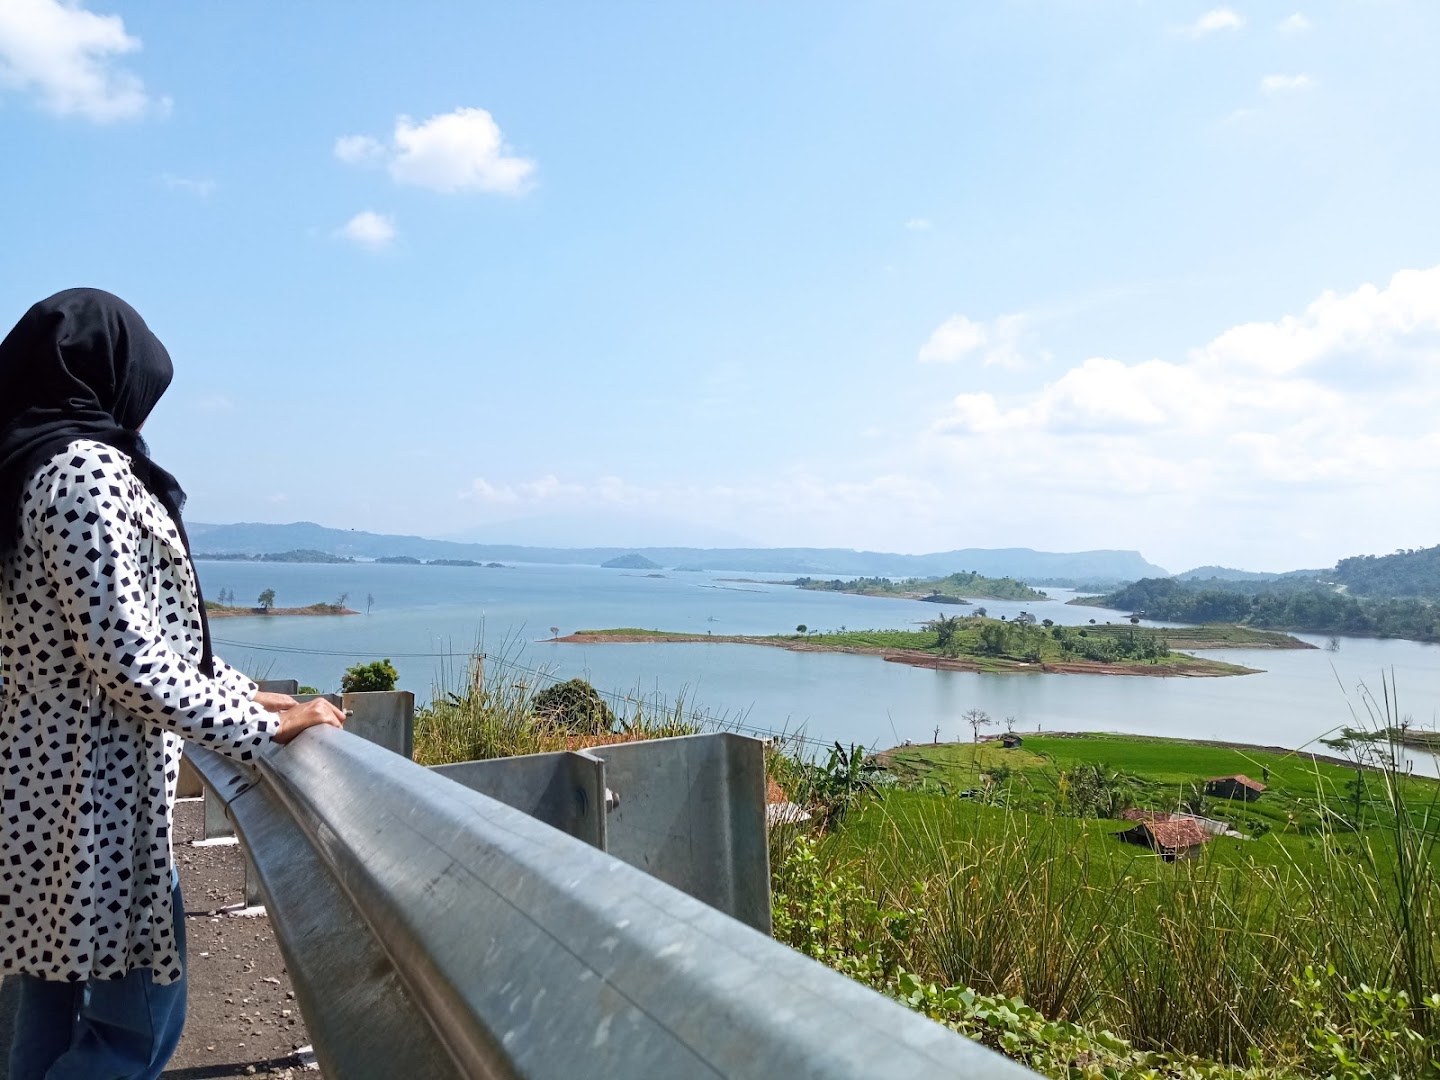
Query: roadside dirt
[242,1020]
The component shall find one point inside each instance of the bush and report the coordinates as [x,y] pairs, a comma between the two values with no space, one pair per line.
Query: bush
[368,678]
[575,706]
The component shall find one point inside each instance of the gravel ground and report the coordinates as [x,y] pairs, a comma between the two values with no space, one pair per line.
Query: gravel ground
[242,1019]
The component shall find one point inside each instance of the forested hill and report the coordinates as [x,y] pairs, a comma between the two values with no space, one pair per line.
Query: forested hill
[1293,604]
[1405,573]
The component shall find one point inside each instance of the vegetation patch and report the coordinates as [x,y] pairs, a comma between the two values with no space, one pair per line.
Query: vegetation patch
[987,887]
[975,642]
[955,588]
[1283,604]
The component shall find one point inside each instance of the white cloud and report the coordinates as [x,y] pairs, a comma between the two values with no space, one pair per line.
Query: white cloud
[996,342]
[463,150]
[358,149]
[1284,84]
[918,224]
[1212,21]
[1339,396]
[1294,24]
[369,230]
[200,187]
[65,56]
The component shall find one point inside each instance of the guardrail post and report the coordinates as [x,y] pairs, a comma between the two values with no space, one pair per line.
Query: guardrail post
[688,810]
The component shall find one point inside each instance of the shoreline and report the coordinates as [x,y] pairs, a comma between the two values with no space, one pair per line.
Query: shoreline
[1201,668]
[1219,744]
[315,610]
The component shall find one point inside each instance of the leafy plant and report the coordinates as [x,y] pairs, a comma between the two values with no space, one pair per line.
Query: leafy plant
[574,706]
[369,678]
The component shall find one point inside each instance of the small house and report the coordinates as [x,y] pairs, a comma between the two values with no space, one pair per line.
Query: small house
[1238,786]
[1170,840]
[1010,740]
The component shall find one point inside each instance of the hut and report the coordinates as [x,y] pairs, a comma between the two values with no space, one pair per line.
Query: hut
[1010,740]
[1238,786]
[1171,840]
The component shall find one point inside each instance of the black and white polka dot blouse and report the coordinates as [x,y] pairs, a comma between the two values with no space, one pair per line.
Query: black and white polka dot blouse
[99,648]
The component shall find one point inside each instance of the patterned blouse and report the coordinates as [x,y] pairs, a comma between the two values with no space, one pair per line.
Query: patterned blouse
[100,645]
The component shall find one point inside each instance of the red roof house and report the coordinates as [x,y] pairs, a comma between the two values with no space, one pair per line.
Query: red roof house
[1173,839]
[1238,786]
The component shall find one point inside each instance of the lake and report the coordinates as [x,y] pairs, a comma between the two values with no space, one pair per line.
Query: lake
[428,619]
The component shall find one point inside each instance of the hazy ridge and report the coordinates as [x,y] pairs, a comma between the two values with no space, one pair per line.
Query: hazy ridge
[259,538]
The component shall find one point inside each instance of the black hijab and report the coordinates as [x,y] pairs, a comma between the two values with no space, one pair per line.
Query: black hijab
[82,365]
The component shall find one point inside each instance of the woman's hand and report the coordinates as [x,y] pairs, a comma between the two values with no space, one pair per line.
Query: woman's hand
[299,717]
[274,702]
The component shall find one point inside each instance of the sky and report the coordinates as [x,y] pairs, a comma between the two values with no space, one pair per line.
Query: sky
[906,276]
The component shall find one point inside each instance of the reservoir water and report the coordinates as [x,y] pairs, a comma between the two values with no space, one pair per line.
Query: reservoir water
[428,618]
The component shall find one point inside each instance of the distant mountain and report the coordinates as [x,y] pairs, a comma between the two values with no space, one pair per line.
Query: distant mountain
[1021,563]
[1225,573]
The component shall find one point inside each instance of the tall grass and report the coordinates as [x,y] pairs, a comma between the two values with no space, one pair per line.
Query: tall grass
[485,709]
[1202,956]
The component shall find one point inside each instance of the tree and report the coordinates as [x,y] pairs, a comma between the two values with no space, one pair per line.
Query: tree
[554,631]
[267,600]
[369,678]
[945,627]
[369,602]
[801,628]
[981,612]
[976,718]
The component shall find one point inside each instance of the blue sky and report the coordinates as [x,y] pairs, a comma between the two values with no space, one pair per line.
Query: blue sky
[910,276]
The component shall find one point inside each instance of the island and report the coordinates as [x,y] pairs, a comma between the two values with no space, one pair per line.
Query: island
[1020,646]
[632,561]
[301,555]
[952,589]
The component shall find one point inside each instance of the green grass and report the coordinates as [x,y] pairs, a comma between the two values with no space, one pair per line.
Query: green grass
[1040,648]
[1162,773]
[1009,893]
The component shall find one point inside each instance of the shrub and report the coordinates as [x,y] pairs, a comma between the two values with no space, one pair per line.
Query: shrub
[574,706]
[368,678]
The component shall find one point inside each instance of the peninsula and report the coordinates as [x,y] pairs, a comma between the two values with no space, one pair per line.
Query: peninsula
[952,589]
[228,611]
[952,643]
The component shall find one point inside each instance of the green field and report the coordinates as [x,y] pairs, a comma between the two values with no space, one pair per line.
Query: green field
[1004,874]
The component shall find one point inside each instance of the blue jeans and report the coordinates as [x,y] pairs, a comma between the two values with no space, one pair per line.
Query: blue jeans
[103,1029]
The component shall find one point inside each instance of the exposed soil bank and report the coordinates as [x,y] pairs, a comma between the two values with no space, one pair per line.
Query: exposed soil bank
[261,613]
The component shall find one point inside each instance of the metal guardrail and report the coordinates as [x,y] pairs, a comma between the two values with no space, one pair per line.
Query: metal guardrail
[433,931]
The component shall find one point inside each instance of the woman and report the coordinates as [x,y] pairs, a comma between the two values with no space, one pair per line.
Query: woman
[107,666]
